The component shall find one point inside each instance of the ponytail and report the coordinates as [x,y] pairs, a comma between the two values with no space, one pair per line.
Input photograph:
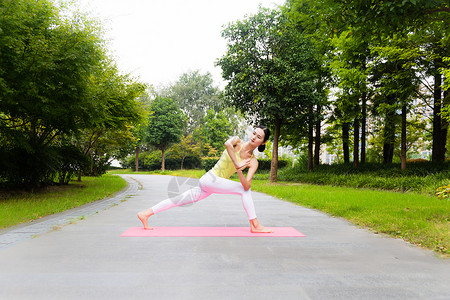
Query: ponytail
[261,148]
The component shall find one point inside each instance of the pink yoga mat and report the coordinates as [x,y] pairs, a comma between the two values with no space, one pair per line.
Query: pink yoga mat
[209,232]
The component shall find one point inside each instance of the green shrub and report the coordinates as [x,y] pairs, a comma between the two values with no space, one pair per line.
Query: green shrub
[42,165]
[265,163]
[152,161]
[71,161]
[209,162]
[192,162]
[418,177]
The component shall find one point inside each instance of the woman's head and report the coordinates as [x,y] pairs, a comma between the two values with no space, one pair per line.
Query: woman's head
[259,137]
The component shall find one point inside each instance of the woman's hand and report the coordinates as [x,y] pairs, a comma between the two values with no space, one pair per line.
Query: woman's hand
[243,164]
[252,165]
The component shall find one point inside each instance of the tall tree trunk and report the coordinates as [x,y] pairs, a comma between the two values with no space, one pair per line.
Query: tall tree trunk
[182,161]
[445,123]
[388,153]
[363,128]
[389,136]
[163,159]
[137,158]
[356,141]
[310,146]
[317,139]
[274,163]
[403,142]
[92,164]
[436,154]
[345,142]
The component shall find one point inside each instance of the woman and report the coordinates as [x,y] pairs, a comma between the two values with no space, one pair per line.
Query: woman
[236,157]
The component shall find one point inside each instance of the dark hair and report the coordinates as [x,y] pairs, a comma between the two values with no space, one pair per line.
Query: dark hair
[266,130]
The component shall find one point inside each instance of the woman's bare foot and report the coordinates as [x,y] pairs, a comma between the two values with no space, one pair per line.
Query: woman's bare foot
[262,229]
[258,228]
[143,216]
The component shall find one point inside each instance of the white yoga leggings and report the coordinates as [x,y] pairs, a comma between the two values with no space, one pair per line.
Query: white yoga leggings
[210,184]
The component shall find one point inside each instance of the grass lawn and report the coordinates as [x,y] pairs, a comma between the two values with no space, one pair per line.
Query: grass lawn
[417,218]
[20,206]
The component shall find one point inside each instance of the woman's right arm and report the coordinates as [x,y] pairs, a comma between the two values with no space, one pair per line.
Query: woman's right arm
[230,146]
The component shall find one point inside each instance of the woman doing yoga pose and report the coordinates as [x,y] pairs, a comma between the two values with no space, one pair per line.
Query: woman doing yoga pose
[237,156]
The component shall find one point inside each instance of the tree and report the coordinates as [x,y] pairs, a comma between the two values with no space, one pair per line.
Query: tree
[46,58]
[186,147]
[395,74]
[428,20]
[424,25]
[437,46]
[387,16]
[303,17]
[350,68]
[194,93]
[46,62]
[138,131]
[115,110]
[268,67]
[445,112]
[216,129]
[62,97]
[166,123]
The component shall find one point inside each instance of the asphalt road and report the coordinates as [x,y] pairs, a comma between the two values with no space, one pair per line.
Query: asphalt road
[80,255]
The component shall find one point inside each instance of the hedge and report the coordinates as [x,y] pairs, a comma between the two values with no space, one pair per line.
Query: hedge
[423,177]
[152,161]
[264,163]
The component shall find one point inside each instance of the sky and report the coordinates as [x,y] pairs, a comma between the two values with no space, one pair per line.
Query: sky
[158,40]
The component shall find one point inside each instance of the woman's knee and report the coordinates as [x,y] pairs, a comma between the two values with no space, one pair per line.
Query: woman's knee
[245,193]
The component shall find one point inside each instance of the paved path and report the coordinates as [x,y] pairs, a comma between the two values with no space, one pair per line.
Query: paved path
[11,236]
[86,258]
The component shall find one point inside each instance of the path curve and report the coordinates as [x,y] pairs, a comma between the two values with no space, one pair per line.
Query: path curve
[17,234]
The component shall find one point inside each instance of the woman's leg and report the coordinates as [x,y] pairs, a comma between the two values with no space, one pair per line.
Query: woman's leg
[218,185]
[213,184]
[190,196]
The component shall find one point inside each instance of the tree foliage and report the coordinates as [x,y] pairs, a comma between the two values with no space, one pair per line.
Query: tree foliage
[216,128]
[388,61]
[114,113]
[209,122]
[165,126]
[269,67]
[57,85]
[194,93]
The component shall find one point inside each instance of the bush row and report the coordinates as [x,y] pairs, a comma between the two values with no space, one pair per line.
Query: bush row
[40,165]
[152,161]
[263,163]
[386,169]
[419,177]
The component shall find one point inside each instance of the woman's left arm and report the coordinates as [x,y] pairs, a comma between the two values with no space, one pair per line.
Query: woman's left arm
[252,167]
